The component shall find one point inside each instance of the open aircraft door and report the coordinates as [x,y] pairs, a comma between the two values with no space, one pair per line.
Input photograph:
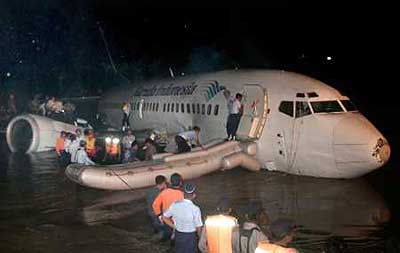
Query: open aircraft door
[255,111]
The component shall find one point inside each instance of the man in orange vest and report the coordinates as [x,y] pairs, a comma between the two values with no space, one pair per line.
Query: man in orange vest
[91,144]
[60,143]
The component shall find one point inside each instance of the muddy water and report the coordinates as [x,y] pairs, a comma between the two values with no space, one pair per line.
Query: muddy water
[42,211]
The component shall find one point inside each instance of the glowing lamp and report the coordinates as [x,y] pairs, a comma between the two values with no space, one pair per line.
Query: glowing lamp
[115,141]
[108,140]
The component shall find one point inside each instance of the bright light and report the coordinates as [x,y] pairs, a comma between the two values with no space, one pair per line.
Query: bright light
[108,140]
[329,58]
[8,74]
[115,141]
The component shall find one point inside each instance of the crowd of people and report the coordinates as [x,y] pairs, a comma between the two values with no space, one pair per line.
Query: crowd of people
[176,218]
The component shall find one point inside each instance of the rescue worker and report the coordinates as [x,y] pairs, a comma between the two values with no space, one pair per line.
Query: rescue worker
[186,221]
[149,149]
[222,223]
[167,197]
[161,184]
[60,143]
[112,149]
[126,110]
[91,144]
[235,114]
[82,156]
[249,234]
[185,140]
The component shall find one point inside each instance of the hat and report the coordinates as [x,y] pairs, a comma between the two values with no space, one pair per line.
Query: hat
[175,180]
[189,188]
[281,227]
[224,204]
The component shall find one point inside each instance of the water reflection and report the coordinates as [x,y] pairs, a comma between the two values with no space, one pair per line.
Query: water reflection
[39,202]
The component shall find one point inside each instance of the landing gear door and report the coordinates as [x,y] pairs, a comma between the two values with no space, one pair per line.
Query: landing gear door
[254,112]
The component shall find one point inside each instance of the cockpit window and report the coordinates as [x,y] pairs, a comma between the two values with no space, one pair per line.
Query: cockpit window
[326,106]
[348,105]
[286,107]
[302,109]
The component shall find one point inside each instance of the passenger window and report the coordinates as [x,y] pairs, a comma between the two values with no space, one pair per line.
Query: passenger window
[154,107]
[198,108]
[138,105]
[172,107]
[209,108]
[157,107]
[182,107]
[193,108]
[168,107]
[164,107]
[188,108]
[177,107]
[216,109]
[203,109]
[286,107]
[302,109]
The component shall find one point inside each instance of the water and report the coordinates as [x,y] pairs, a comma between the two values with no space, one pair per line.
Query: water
[42,211]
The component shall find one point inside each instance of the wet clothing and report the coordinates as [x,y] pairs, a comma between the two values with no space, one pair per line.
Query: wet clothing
[165,199]
[250,234]
[185,242]
[82,157]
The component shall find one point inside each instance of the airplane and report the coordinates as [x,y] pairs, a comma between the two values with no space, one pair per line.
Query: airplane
[301,126]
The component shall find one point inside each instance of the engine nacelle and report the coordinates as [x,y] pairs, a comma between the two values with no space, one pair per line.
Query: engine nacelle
[32,133]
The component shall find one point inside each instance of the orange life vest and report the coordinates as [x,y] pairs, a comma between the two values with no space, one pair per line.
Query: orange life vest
[91,146]
[273,248]
[60,145]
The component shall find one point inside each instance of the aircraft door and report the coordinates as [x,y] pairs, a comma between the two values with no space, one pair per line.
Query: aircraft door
[255,102]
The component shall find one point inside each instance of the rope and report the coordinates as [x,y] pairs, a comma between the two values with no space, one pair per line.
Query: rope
[130,188]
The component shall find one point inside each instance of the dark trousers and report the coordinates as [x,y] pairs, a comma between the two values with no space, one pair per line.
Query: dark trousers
[182,144]
[232,124]
[185,242]
[125,121]
[159,227]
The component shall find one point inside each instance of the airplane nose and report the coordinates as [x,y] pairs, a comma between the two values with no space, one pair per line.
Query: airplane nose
[359,146]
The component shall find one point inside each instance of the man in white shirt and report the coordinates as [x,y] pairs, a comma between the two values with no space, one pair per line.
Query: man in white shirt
[235,113]
[184,140]
[186,222]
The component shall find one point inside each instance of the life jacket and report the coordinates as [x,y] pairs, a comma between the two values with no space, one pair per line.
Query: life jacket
[60,145]
[247,233]
[112,149]
[91,146]
[219,233]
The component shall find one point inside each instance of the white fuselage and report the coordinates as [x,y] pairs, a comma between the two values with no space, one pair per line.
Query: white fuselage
[301,125]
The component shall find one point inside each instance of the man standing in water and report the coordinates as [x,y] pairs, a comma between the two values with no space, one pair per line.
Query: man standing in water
[235,109]
[186,221]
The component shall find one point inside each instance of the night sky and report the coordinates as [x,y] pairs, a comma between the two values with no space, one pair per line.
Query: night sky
[56,46]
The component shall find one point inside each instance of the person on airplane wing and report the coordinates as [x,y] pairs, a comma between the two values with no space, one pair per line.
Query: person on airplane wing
[126,109]
[235,108]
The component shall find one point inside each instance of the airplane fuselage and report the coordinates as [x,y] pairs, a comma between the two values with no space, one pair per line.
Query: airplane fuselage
[301,125]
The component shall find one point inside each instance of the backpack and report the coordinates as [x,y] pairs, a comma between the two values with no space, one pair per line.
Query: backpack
[246,233]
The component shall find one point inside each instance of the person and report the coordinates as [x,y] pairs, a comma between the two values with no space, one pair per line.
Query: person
[73,147]
[282,233]
[126,109]
[149,149]
[208,242]
[79,136]
[60,143]
[249,234]
[186,222]
[82,156]
[184,140]
[235,113]
[161,184]
[131,155]
[128,139]
[91,144]
[168,196]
